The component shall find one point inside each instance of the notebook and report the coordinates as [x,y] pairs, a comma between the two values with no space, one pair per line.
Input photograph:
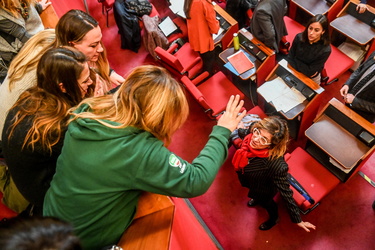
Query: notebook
[240,62]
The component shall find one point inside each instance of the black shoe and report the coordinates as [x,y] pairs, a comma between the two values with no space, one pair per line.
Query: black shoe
[268,224]
[252,203]
[373,205]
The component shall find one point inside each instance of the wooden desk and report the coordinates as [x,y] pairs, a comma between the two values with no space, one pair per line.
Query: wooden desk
[304,113]
[261,67]
[226,37]
[353,25]
[314,7]
[335,135]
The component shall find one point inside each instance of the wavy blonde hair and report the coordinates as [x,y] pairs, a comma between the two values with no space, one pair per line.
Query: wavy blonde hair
[28,57]
[149,99]
[278,128]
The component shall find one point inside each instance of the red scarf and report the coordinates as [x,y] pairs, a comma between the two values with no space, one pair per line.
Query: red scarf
[242,155]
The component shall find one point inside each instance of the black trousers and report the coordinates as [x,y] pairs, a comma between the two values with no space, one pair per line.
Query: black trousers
[208,59]
[271,207]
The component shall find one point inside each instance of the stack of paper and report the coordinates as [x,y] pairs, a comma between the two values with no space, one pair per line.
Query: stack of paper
[282,97]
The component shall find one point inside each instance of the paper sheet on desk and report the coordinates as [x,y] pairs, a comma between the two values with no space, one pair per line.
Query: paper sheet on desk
[281,96]
[177,7]
[218,33]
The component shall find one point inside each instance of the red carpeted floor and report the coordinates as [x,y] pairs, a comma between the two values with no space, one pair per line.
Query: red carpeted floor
[344,219]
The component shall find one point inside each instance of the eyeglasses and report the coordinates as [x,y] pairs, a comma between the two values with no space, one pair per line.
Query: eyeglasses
[262,140]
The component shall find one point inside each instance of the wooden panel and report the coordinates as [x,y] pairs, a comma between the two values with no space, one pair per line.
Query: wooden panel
[152,225]
[49,17]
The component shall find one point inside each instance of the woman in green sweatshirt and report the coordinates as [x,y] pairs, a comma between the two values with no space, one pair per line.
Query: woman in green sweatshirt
[115,148]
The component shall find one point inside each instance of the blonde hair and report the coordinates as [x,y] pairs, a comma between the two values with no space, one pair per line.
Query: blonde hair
[28,57]
[278,128]
[149,99]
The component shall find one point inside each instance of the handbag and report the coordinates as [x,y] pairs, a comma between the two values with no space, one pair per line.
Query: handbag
[139,7]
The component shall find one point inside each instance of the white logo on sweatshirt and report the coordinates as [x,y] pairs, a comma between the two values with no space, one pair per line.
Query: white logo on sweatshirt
[176,163]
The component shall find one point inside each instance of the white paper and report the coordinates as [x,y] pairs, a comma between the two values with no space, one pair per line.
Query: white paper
[167,26]
[282,97]
[218,33]
[177,7]
[271,90]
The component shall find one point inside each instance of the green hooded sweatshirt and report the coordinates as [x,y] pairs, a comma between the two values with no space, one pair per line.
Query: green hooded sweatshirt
[102,172]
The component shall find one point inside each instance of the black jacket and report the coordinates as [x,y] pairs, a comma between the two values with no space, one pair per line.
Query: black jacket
[308,58]
[364,101]
[267,23]
[265,178]
[128,25]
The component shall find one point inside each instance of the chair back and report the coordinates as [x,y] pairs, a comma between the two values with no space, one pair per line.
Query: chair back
[168,60]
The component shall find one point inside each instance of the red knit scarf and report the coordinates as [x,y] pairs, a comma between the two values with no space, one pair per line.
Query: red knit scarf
[242,155]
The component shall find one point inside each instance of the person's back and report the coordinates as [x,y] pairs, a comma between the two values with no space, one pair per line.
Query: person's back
[114,149]
[267,23]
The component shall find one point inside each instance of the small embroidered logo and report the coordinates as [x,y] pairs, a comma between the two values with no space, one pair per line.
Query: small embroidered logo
[176,163]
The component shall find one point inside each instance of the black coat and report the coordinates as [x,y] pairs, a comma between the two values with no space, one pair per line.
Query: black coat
[265,178]
[128,25]
[364,101]
[267,23]
[31,170]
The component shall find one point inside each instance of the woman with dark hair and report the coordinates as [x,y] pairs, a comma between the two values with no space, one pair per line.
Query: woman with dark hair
[35,126]
[202,24]
[311,48]
[115,148]
[78,29]
[260,166]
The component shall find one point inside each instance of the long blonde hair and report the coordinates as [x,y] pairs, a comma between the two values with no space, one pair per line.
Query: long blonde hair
[278,128]
[28,57]
[149,99]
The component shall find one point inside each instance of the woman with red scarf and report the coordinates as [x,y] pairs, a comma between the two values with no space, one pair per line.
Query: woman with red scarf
[261,167]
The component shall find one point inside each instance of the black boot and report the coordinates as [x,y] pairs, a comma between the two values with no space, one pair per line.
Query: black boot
[268,224]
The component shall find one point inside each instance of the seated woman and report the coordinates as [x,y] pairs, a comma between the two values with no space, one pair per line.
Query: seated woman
[311,48]
[78,29]
[260,166]
[19,20]
[115,148]
[35,126]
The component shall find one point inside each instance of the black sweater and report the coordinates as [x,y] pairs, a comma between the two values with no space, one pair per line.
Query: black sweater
[308,58]
[32,171]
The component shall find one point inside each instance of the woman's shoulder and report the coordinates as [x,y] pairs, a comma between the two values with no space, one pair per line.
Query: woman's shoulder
[278,163]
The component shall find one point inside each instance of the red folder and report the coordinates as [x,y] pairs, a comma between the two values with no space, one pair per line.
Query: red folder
[240,62]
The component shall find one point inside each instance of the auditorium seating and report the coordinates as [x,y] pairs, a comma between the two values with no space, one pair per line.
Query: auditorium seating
[183,61]
[315,178]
